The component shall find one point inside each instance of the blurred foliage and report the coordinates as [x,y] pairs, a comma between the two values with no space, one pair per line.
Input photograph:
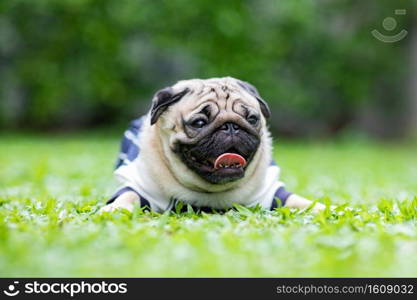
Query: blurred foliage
[78,63]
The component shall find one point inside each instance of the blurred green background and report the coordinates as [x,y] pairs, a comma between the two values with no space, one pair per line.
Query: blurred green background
[75,64]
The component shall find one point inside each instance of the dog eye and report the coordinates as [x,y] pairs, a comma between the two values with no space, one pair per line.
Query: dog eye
[253,119]
[199,123]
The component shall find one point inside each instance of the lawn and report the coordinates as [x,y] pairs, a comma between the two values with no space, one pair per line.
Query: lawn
[51,187]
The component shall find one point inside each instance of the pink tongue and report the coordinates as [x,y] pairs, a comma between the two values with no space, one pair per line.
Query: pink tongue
[229,159]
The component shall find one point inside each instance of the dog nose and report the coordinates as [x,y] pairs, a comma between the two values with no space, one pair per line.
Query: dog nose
[230,127]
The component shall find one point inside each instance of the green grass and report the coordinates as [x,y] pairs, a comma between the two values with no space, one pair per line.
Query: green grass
[51,187]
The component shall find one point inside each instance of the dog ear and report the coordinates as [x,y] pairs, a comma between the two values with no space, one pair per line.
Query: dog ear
[254,92]
[162,100]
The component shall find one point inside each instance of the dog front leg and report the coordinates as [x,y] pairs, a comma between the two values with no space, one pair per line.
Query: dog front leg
[126,201]
[296,201]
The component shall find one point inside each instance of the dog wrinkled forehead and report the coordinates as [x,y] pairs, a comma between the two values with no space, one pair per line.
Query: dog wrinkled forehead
[198,88]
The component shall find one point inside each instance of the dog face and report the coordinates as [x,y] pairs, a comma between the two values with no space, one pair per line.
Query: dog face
[213,126]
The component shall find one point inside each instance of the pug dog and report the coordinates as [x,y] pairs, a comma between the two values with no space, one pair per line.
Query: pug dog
[204,143]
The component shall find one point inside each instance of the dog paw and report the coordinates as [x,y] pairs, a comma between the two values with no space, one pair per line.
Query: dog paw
[124,201]
[116,206]
[318,207]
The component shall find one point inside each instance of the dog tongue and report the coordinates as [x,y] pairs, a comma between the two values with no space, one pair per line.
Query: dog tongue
[229,159]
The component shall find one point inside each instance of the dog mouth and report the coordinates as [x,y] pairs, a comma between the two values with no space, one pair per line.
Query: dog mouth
[220,157]
[230,162]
